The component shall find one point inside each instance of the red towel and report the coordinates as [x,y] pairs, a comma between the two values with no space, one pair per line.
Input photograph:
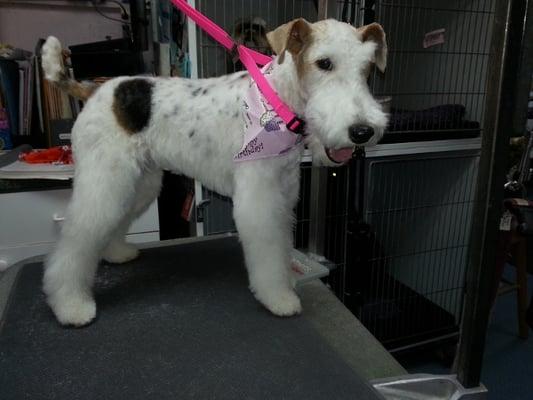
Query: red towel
[53,155]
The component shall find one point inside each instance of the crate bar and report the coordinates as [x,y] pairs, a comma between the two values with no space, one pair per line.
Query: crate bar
[505,48]
[193,56]
[317,201]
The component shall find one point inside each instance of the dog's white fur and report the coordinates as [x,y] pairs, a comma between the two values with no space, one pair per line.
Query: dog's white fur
[118,174]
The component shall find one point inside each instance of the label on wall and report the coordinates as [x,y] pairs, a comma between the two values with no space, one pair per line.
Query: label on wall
[433,38]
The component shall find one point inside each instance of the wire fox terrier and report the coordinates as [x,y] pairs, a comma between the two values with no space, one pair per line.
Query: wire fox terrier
[133,128]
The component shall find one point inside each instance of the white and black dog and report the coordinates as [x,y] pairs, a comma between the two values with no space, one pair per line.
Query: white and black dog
[133,128]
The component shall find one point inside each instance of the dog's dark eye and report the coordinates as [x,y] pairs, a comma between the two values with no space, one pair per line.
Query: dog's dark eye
[325,64]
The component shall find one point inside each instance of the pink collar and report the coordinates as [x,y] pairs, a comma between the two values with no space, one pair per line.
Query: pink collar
[250,60]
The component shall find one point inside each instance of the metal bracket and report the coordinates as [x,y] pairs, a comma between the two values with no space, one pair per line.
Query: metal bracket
[427,387]
[317,210]
[200,209]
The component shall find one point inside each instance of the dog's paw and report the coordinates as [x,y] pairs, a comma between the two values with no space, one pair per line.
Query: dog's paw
[281,303]
[119,253]
[75,311]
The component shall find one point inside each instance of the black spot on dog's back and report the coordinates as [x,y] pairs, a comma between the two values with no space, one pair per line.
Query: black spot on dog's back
[132,104]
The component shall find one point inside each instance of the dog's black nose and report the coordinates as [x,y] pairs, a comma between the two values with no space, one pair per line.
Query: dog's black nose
[360,134]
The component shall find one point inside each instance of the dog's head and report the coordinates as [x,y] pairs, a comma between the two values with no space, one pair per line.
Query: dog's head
[332,61]
[251,32]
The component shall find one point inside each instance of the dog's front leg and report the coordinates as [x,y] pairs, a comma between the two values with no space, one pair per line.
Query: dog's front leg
[263,213]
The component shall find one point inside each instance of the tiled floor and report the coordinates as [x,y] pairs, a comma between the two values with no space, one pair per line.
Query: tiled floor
[508,363]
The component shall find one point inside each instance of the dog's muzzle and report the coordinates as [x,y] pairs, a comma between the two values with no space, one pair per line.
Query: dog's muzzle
[360,134]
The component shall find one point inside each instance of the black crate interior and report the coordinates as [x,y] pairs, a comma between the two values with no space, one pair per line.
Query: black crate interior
[401,249]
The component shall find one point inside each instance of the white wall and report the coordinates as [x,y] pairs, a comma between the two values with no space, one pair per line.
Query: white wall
[73,22]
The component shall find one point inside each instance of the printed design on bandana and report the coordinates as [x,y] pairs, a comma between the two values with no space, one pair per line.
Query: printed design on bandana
[265,133]
[251,148]
[268,119]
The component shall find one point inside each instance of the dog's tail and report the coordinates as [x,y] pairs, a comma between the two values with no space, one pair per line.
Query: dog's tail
[55,72]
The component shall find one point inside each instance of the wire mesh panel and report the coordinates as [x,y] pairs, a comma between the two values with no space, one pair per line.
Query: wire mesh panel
[437,65]
[397,227]
[407,251]
[437,71]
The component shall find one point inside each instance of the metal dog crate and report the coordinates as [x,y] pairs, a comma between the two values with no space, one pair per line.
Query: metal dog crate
[437,65]
[399,239]
[396,224]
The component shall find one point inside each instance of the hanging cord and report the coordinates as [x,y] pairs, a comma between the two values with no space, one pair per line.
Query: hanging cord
[124,15]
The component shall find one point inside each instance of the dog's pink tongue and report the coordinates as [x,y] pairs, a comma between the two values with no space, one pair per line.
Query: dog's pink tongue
[341,155]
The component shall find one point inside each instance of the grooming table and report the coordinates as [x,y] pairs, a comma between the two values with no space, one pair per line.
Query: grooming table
[178,323]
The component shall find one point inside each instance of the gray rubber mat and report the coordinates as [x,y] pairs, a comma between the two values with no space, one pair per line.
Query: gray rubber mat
[177,323]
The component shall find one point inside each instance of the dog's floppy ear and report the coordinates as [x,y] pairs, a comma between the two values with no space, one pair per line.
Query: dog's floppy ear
[291,36]
[375,33]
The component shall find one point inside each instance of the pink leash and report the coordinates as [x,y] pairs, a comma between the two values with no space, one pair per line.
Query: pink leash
[250,59]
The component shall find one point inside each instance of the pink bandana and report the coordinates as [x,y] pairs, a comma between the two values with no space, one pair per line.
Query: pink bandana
[265,133]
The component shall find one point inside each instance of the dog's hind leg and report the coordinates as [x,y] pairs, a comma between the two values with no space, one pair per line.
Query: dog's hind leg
[104,192]
[118,250]
[263,213]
